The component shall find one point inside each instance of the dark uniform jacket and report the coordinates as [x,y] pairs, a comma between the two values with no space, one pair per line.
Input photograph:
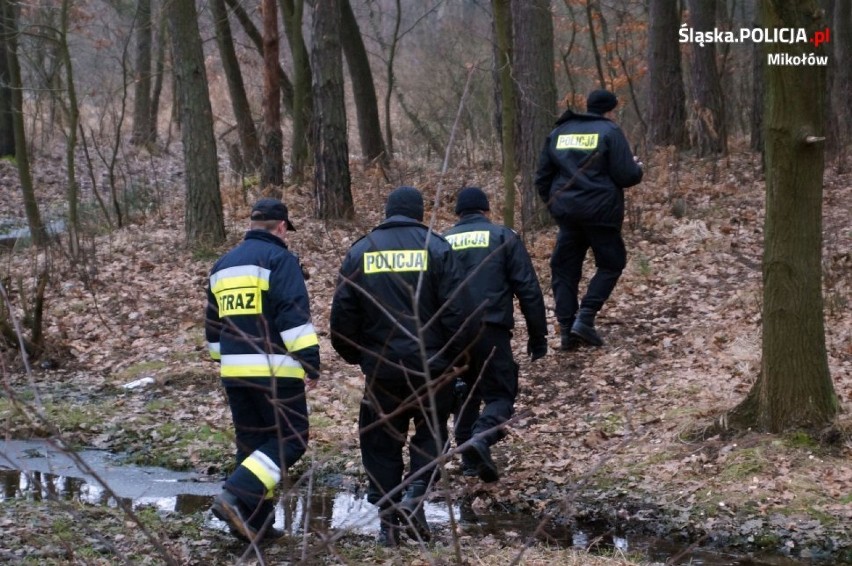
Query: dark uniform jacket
[498,268]
[258,316]
[583,167]
[373,322]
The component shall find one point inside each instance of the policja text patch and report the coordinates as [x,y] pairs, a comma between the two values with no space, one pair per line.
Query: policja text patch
[395,261]
[577,141]
[465,240]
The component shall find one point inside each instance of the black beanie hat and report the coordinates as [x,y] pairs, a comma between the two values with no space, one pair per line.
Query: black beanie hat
[271,209]
[600,102]
[405,201]
[471,199]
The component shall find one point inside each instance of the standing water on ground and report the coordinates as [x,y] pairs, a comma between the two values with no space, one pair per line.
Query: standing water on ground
[39,470]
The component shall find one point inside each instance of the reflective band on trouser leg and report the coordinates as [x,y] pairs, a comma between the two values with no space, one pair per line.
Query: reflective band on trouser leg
[264,469]
[260,365]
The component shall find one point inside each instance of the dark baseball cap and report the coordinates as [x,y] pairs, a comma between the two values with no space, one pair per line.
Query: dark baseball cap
[271,209]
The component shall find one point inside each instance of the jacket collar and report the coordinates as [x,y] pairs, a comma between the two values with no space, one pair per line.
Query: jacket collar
[473,219]
[399,220]
[265,236]
[571,115]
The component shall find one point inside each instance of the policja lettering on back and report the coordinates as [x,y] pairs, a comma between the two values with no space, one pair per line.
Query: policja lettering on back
[395,261]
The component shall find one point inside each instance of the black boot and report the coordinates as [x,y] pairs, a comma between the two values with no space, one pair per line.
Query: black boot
[388,527]
[584,328]
[568,341]
[480,453]
[414,512]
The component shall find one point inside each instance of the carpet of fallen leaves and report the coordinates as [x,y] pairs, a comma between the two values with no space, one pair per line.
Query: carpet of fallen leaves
[601,436]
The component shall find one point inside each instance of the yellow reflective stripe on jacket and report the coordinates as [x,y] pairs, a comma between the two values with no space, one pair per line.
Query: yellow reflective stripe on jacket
[300,337]
[260,365]
[213,348]
[240,276]
[472,239]
[263,468]
[395,261]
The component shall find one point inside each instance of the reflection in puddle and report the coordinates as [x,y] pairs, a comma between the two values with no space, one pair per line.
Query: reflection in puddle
[37,471]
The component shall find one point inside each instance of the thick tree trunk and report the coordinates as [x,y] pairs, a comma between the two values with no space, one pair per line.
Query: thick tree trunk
[667,100]
[272,171]
[708,131]
[502,11]
[532,68]
[252,156]
[159,73]
[363,89]
[142,92]
[794,388]
[332,184]
[204,223]
[303,109]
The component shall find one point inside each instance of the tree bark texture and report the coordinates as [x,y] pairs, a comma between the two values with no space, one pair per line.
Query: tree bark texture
[7,126]
[332,184]
[707,116]
[142,86]
[250,145]
[303,107]
[363,88]
[9,30]
[203,220]
[533,71]
[502,11]
[272,144]
[841,90]
[794,388]
[667,100]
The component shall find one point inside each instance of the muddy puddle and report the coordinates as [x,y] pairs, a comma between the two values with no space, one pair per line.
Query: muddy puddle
[37,470]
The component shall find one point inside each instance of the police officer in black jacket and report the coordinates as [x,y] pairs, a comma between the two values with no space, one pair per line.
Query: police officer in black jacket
[399,312]
[583,169]
[498,268]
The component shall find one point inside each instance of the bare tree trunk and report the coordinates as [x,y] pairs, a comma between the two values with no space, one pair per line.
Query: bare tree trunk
[9,22]
[159,73]
[363,89]
[667,100]
[303,110]
[794,388]
[142,98]
[594,40]
[841,88]
[332,184]
[502,11]
[708,112]
[7,126]
[272,172]
[390,77]
[73,116]
[252,156]
[257,40]
[204,222]
[757,92]
[532,68]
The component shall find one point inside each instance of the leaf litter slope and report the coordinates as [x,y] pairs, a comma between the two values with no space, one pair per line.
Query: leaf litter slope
[598,434]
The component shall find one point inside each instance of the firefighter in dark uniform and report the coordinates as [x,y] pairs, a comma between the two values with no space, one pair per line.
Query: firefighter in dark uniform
[398,313]
[497,268]
[583,169]
[258,325]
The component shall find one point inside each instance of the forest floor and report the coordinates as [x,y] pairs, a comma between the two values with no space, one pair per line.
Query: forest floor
[603,437]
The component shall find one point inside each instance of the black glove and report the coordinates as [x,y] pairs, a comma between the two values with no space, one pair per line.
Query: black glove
[537,347]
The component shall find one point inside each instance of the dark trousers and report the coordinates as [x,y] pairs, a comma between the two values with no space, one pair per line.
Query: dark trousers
[271,420]
[387,409]
[492,378]
[566,265]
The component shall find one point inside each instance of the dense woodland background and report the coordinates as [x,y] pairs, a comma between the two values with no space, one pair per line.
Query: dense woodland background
[137,135]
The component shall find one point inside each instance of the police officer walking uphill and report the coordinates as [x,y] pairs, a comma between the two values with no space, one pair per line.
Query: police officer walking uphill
[400,314]
[584,167]
[497,268]
[258,325]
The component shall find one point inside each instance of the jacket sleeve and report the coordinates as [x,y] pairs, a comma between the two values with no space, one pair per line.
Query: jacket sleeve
[623,169]
[346,316]
[212,325]
[525,286]
[545,172]
[291,305]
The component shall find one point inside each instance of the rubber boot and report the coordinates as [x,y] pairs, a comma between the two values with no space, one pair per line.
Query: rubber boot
[584,328]
[480,453]
[414,513]
[388,527]
[568,341]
